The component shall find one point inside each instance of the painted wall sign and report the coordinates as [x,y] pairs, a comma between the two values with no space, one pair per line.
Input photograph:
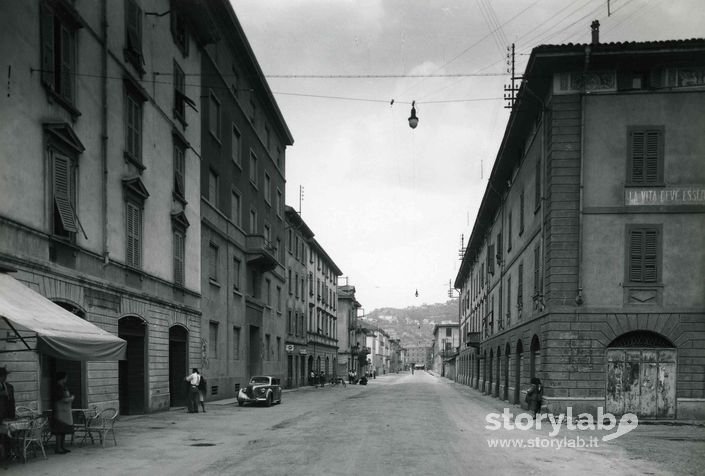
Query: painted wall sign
[289,348]
[683,195]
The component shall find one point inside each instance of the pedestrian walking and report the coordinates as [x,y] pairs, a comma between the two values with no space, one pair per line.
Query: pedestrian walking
[193,394]
[202,389]
[534,396]
[61,418]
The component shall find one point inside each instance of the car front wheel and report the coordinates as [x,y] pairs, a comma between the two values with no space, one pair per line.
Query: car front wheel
[270,400]
[240,402]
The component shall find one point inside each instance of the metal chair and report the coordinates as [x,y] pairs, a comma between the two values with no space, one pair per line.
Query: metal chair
[102,424]
[25,412]
[33,437]
[81,418]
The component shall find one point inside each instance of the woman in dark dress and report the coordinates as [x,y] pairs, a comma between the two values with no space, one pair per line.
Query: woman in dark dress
[62,419]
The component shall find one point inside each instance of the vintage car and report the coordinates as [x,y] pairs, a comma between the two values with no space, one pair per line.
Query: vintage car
[261,389]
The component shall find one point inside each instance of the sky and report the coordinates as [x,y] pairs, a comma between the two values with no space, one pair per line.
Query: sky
[392,206]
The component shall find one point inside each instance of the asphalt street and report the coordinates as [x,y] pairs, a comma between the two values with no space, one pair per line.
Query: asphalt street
[399,424]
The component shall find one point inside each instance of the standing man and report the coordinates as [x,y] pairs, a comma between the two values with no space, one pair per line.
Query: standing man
[193,394]
[7,408]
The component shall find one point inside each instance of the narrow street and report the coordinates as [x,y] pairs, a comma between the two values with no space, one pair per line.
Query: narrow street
[398,424]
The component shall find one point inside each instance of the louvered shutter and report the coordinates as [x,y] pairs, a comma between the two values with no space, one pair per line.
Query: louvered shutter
[650,274]
[134,228]
[636,246]
[178,258]
[179,170]
[67,62]
[651,157]
[637,172]
[47,38]
[62,192]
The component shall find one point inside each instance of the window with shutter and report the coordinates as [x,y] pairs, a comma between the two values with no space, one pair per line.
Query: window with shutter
[213,261]
[134,235]
[179,169]
[63,196]
[179,258]
[179,93]
[133,127]
[644,254]
[58,25]
[645,156]
[133,35]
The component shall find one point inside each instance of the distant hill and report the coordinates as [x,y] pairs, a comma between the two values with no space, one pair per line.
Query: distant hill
[414,325]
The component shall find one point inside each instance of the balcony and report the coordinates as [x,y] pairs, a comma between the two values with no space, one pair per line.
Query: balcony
[261,253]
[473,339]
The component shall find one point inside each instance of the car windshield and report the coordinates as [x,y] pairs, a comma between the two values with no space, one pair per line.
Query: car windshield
[260,380]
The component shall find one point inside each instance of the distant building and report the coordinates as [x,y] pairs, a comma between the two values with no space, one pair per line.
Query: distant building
[348,345]
[583,268]
[446,339]
[418,356]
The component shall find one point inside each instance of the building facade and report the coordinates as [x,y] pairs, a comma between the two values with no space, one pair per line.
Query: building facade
[100,190]
[418,356]
[322,326]
[299,235]
[348,345]
[446,339]
[243,222]
[581,268]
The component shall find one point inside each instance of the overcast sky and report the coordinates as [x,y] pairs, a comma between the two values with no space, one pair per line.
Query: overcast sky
[389,204]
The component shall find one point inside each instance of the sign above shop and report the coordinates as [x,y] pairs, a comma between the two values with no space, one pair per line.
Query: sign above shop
[289,347]
[675,195]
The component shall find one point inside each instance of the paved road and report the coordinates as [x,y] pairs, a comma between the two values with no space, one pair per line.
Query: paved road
[397,425]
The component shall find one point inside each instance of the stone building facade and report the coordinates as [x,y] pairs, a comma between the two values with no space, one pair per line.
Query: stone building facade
[100,189]
[242,176]
[583,268]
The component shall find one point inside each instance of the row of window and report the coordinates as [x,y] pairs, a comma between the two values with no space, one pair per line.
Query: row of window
[270,353]
[643,267]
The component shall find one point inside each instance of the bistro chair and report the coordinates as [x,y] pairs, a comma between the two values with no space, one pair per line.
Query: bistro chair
[102,424]
[25,412]
[33,437]
[81,418]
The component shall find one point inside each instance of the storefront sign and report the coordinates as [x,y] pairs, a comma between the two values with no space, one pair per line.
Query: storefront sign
[683,195]
[289,347]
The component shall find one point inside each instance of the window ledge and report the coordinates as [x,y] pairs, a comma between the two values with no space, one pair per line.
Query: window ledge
[213,282]
[180,198]
[644,185]
[134,161]
[57,98]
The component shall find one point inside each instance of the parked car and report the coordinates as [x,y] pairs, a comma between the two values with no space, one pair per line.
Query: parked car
[261,389]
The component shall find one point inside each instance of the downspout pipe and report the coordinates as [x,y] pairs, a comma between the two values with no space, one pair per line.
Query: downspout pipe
[104,126]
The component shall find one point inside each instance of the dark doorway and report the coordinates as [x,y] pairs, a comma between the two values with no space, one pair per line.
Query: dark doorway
[289,371]
[131,372]
[178,365]
[254,364]
[517,373]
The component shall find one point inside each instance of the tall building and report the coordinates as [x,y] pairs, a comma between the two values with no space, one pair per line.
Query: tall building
[242,174]
[99,194]
[299,295]
[322,326]
[583,267]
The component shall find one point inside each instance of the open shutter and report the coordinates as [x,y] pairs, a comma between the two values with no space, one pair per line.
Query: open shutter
[62,192]
[178,258]
[47,38]
[179,167]
[134,227]
[67,62]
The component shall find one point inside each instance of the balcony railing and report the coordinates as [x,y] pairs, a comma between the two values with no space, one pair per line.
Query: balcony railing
[473,339]
[261,252]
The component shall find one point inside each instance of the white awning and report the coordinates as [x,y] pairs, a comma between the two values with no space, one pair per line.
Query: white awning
[58,332]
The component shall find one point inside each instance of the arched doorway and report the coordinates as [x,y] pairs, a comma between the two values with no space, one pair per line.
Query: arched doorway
[327,367]
[132,371]
[517,373]
[488,387]
[75,370]
[641,375]
[534,357]
[178,365]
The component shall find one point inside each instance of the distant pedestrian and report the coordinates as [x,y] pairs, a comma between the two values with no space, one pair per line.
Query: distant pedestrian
[193,394]
[534,396]
[202,389]
[374,373]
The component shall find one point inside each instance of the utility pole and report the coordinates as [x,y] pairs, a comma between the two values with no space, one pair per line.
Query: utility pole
[510,90]
[301,197]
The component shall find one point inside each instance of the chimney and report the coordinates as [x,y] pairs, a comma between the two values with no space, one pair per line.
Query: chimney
[595,26]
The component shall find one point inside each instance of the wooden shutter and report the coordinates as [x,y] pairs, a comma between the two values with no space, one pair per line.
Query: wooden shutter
[133,24]
[47,38]
[67,62]
[134,229]
[645,156]
[643,256]
[179,258]
[179,167]
[63,192]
